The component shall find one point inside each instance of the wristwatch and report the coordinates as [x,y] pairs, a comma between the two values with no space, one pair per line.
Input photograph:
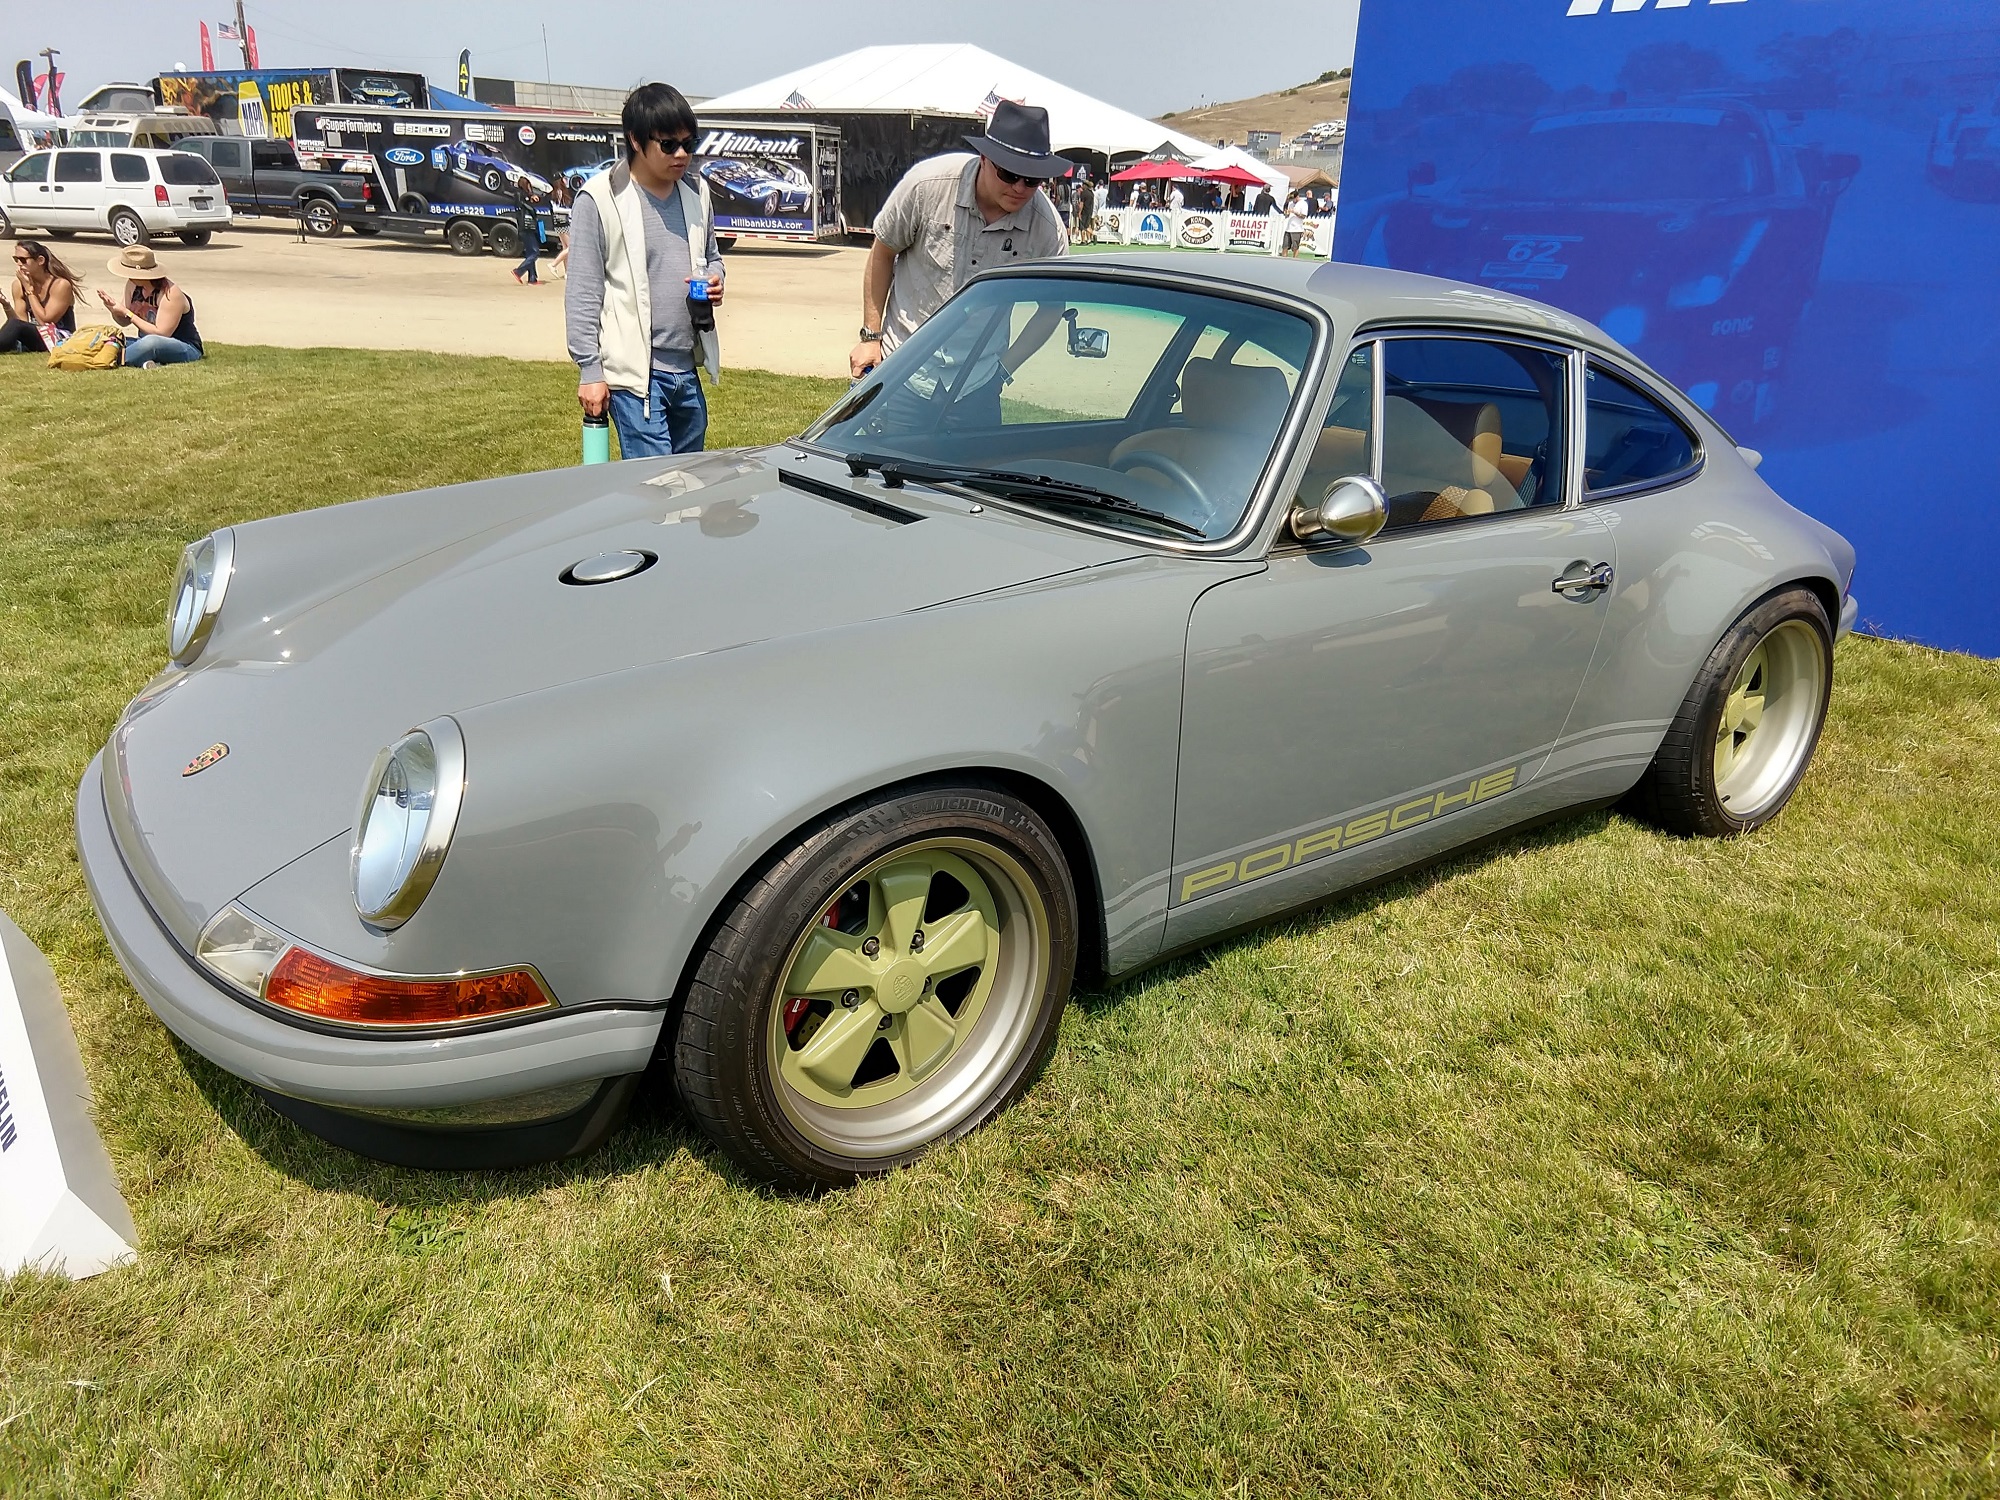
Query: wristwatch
[870,335]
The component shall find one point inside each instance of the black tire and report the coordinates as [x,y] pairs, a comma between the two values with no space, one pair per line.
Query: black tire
[128,228]
[723,1050]
[414,203]
[322,217]
[464,237]
[6,226]
[492,181]
[194,239]
[60,234]
[366,231]
[1681,791]
[505,238]
[725,243]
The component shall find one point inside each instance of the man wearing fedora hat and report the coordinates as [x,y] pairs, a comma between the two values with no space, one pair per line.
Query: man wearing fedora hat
[953,215]
[161,311]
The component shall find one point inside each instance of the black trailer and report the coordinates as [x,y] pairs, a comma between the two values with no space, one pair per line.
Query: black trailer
[465,173]
[462,174]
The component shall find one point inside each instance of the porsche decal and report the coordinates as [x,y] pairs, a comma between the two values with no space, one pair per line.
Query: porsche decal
[206,759]
[1344,833]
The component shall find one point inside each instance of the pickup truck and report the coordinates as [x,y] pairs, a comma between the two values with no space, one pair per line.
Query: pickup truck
[264,177]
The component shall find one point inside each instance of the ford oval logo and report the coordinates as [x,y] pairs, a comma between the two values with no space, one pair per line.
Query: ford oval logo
[404,156]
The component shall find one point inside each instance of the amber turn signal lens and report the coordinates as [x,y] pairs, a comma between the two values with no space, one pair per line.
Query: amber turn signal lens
[313,986]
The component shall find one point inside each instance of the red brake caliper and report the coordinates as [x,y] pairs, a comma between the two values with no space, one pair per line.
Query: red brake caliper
[798,1005]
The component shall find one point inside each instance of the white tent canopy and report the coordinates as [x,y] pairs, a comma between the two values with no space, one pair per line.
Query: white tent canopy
[953,79]
[25,117]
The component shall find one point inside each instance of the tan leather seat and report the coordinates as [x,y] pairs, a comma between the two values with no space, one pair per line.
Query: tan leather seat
[1232,412]
[1435,471]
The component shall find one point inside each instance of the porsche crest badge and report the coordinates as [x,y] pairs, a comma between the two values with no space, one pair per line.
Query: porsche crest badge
[206,759]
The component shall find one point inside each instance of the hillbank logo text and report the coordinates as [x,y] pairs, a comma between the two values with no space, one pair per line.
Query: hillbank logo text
[1592,7]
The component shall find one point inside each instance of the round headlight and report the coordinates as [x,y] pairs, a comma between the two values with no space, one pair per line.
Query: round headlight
[406,822]
[197,597]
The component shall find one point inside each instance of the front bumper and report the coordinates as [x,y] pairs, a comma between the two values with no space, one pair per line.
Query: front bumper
[1850,611]
[355,1072]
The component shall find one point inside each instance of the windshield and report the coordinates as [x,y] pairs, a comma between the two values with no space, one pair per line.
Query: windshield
[1623,160]
[1162,400]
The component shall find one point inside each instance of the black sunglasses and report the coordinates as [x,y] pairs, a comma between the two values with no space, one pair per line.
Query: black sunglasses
[676,146]
[1014,179]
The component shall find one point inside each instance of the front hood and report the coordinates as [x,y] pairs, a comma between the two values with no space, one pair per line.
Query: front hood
[395,611]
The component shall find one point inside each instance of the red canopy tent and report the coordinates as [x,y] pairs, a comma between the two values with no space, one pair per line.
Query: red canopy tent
[1234,176]
[1153,171]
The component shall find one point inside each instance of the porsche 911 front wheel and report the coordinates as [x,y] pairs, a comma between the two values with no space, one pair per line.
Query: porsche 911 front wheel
[888,984]
[1739,746]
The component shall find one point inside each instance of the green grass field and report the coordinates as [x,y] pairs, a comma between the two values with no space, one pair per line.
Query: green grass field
[1597,1163]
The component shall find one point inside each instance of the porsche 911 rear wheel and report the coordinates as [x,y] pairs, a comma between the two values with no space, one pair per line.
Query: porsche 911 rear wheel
[889,984]
[1739,746]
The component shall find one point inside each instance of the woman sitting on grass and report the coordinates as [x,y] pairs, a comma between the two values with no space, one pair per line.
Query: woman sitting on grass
[156,307]
[43,297]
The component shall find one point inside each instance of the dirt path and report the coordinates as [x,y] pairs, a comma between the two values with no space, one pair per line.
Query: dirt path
[791,308]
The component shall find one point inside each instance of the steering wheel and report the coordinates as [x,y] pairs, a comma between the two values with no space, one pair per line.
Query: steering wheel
[1146,458]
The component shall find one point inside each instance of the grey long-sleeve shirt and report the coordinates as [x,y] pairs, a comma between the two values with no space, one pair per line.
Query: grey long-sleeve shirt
[668,266]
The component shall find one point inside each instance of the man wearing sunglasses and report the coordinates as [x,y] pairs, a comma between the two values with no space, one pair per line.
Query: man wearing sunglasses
[640,236]
[953,215]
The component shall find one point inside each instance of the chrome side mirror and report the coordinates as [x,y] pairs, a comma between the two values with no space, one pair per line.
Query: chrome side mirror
[1352,510]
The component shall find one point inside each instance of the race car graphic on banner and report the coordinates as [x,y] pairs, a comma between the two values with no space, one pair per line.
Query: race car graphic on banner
[1789,207]
[444,165]
[761,181]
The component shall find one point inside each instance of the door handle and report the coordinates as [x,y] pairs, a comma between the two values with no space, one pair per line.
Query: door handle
[1598,576]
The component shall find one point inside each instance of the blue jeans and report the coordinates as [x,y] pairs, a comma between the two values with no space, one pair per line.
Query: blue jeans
[160,350]
[679,423]
[527,266]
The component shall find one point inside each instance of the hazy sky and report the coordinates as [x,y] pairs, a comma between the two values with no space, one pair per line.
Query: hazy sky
[1166,54]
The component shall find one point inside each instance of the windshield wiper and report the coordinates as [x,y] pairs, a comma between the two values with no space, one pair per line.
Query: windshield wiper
[1013,484]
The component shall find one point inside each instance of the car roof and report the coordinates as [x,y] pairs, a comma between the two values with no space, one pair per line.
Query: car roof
[1358,297]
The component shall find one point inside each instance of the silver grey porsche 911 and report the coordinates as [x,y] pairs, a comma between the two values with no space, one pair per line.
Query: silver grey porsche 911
[1128,603]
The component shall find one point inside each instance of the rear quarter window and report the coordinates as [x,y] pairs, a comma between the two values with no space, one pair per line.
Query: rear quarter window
[1630,440]
[125,167]
[180,169]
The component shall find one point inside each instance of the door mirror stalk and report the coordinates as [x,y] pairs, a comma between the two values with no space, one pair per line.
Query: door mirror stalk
[1351,510]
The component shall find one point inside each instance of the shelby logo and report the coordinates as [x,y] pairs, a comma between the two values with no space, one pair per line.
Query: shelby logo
[1592,7]
[1344,833]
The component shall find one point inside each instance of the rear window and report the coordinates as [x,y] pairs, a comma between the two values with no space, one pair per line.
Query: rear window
[125,167]
[182,169]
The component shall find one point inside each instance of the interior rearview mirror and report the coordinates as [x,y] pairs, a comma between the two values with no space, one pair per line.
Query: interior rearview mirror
[1352,510]
[1089,343]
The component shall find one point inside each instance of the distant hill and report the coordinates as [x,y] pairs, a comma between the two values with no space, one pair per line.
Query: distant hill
[1287,111]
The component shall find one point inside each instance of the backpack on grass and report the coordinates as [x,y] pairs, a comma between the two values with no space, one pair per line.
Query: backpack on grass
[93,348]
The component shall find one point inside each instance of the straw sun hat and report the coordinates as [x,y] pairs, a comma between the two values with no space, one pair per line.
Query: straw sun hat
[136,263]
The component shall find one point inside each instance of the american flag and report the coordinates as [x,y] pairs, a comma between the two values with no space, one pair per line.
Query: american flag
[228,32]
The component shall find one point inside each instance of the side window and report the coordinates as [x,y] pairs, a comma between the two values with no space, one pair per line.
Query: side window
[1343,445]
[231,156]
[8,140]
[1470,427]
[79,166]
[1629,438]
[125,167]
[31,168]
[269,156]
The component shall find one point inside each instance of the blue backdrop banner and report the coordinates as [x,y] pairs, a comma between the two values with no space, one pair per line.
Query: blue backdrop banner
[1789,207]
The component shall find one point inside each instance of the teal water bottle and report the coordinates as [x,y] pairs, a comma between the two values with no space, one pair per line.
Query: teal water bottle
[597,438]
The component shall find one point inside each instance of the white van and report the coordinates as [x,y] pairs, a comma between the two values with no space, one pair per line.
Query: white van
[157,131]
[132,195]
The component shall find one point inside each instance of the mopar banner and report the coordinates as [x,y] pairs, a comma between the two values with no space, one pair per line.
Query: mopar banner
[757,179]
[1790,207]
[448,165]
